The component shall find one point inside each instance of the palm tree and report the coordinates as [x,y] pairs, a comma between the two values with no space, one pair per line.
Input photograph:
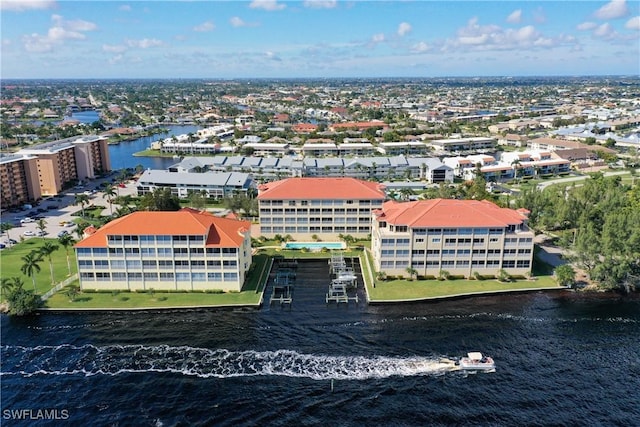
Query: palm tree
[31,265]
[82,199]
[46,250]
[6,286]
[5,227]
[67,241]
[412,272]
[42,226]
[109,194]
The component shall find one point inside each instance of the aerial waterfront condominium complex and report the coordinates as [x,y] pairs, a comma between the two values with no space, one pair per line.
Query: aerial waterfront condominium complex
[185,250]
[461,237]
[321,207]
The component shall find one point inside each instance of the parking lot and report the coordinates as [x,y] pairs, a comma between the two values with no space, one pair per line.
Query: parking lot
[57,212]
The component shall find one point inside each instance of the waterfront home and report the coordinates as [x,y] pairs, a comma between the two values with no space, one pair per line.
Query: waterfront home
[461,237]
[320,207]
[185,250]
[214,184]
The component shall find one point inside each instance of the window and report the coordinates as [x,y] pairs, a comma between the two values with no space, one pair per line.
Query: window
[227,277]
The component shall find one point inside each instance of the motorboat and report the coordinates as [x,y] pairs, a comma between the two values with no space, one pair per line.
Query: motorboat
[476,361]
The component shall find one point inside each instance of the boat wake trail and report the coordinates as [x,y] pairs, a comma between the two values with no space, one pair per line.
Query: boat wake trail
[209,363]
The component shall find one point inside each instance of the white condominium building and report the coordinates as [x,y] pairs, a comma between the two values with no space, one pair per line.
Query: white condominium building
[185,250]
[324,207]
[461,237]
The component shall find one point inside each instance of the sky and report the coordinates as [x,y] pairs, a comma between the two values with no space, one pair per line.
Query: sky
[317,38]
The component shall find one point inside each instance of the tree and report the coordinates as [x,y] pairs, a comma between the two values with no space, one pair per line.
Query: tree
[5,227]
[565,275]
[31,265]
[47,250]
[81,199]
[110,193]
[161,199]
[7,285]
[42,226]
[412,272]
[22,302]
[67,241]
[72,292]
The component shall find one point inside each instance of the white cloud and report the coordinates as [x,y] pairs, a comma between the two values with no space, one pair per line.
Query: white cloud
[420,47]
[269,5]
[586,26]
[238,22]
[125,8]
[113,48]
[605,31]
[515,17]
[144,43]
[404,28]
[377,38]
[493,37]
[22,5]
[633,23]
[204,27]
[116,59]
[612,10]
[56,35]
[320,4]
[272,56]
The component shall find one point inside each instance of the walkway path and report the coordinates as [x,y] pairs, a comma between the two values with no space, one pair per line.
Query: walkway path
[59,286]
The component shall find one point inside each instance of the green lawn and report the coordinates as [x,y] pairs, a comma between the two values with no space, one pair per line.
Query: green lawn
[127,300]
[423,289]
[396,290]
[11,262]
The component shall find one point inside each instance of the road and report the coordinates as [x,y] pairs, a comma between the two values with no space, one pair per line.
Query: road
[63,213]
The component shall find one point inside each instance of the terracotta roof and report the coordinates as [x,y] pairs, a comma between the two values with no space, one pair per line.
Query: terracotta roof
[448,213]
[222,232]
[321,188]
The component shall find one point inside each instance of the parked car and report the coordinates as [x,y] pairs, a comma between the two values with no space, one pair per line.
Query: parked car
[63,233]
[26,220]
[13,241]
[41,233]
[29,233]
[2,246]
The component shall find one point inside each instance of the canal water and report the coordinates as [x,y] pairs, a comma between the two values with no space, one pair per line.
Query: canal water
[122,155]
[563,358]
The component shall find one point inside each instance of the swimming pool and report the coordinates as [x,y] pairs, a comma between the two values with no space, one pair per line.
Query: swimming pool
[314,245]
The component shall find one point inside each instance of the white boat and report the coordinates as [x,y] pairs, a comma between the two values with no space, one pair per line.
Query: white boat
[476,361]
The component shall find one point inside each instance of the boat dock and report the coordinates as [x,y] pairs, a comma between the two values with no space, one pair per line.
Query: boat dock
[343,287]
[283,282]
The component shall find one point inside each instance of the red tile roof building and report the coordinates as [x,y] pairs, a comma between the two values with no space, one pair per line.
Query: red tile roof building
[325,207]
[184,250]
[461,237]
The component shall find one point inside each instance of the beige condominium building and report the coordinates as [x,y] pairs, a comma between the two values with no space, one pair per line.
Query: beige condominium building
[461,237]
[185,250]
[19,180]
[68,160]
[321,207]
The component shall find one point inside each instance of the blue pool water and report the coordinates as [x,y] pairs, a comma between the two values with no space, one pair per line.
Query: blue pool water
[314,245]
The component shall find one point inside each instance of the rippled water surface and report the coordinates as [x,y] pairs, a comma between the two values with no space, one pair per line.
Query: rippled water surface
[561,359]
